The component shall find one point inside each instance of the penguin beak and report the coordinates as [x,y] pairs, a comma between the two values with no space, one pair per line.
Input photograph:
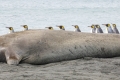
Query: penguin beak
[74,26]
[104,24]
[46,27]
[7,27]
[21,25]
[57,26]
[89,26]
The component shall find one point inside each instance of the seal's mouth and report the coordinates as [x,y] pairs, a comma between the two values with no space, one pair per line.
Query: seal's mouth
[2,55]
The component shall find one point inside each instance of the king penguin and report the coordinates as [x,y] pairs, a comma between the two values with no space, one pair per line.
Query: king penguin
[11,29]
[98,29]
[77,29]
[115,30]
[93,28]
[61,27]
[108,28]
[50,28]
[25,27]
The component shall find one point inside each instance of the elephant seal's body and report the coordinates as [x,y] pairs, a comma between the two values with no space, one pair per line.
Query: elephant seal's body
[46,46]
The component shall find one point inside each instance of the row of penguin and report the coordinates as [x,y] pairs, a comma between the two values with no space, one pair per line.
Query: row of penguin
[95,28]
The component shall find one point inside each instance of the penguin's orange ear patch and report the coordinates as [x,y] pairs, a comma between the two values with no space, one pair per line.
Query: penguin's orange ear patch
[25,26]
[92,26]
[114,25]
[108,25]
[11,28]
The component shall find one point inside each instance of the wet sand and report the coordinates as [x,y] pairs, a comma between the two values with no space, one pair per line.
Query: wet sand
[80,69]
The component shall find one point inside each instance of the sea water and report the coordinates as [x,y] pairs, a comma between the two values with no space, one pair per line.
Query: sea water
[38,14]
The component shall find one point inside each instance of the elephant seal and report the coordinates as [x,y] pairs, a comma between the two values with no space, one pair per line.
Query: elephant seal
[47,46]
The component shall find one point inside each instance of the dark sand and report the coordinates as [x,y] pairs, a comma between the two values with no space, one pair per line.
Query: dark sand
[80,69]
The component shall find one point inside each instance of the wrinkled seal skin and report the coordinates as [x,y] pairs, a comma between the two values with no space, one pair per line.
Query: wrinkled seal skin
[46,46]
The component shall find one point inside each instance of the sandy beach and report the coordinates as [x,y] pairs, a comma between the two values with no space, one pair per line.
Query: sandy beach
[80,69]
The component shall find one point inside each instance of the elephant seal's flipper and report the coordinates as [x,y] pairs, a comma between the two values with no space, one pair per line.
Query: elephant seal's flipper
[12,61]
[11,57]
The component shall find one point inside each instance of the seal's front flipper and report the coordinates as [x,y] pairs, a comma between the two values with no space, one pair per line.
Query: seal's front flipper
[12,61]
